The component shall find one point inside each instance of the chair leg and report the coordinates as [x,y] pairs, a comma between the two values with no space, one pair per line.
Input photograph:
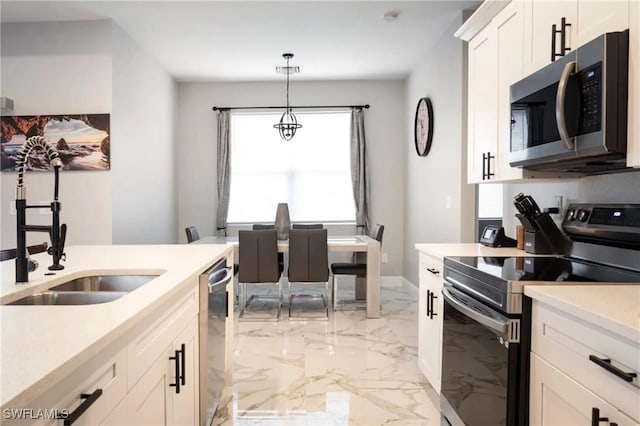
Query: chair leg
[326,299]
[290,296]
[335,293]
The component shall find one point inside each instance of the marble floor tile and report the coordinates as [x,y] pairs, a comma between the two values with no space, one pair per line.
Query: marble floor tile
[347,370]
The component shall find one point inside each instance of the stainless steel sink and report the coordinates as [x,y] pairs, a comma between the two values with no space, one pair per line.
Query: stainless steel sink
[70,298]
[99,283]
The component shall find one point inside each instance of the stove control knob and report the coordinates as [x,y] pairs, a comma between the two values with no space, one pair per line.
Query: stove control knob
[571,215]
[583,215]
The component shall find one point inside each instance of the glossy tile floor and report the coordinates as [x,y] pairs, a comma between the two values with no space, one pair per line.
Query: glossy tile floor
[344,371]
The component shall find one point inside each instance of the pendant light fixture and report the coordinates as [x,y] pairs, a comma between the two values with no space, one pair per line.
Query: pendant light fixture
[288,124]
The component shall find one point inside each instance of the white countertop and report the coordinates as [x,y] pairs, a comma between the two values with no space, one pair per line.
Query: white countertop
[615,307]
[468,249]
[40,345]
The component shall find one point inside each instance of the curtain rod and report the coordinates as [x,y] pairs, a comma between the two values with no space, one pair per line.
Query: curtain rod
[216,108]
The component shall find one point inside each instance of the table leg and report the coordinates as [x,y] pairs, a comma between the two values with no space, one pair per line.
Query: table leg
[373,279]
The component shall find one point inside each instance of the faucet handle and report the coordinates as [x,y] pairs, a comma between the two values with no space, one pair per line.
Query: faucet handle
[32,265]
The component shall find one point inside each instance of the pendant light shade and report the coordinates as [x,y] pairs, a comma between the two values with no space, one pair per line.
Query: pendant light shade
[288,124]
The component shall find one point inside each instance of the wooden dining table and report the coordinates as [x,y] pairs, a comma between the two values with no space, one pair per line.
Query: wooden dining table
[337,244]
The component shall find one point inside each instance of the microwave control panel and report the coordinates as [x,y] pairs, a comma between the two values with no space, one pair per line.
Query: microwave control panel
[591,99]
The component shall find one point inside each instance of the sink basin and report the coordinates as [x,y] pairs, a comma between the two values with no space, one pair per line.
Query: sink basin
[99,283]
[69,298]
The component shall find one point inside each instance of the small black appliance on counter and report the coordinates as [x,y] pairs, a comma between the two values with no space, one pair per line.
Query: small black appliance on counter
[541,235]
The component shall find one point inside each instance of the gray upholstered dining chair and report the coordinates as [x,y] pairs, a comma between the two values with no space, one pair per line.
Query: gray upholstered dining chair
[358,268]
[308,263]
[192,234]
[307,226]
[258,252]
[259,226]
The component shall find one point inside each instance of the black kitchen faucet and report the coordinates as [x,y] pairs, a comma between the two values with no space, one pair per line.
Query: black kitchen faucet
[56,232]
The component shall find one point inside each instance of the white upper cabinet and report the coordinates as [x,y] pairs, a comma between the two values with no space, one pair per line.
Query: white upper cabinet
[510,41]
[542,16]
[483,105]
[520,39]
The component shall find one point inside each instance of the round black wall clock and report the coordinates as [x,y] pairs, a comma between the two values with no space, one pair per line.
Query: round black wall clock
[423,131]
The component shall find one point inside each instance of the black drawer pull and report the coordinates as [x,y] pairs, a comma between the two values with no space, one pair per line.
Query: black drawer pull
[184,369]
[595,417]
[606,364]
[176,358]
[434,271]
[89,399]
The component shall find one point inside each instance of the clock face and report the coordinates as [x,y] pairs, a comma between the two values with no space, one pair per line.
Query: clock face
[423,131]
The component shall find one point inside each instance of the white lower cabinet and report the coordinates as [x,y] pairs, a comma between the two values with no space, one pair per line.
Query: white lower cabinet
[430,310]
[557,400]
[581,374]
[148,377]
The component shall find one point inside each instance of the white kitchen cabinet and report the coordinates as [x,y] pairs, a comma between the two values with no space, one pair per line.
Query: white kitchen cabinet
[496,61]
[104,378]
[482,105]
[584,19]
[567,383]
[161,397]
[510,42]
[430,306]
[557,400]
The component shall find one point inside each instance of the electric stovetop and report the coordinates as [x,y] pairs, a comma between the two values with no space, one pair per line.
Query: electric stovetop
[539,268]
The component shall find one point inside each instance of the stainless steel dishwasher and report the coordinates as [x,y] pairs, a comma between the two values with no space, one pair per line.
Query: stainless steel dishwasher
[212,323]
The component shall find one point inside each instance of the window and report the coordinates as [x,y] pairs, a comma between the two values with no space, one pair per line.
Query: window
[311,173]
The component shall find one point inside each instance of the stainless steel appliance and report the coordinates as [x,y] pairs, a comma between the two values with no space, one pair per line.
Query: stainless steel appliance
[212,324]
[487,318]
[571,115]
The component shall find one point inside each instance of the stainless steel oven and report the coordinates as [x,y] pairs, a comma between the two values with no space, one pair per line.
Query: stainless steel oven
[571,115]
[487,318]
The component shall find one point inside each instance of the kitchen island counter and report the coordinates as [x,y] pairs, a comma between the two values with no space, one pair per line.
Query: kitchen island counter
[40,345]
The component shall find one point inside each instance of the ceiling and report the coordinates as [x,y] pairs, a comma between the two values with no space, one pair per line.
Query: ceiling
[244,40]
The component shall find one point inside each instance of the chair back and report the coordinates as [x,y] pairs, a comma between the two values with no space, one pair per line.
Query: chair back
[376,232]
[307,226]
[308,255]
[258,252]
[192,234]
[258,226]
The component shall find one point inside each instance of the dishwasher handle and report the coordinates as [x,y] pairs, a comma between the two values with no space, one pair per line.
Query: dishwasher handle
[219,277]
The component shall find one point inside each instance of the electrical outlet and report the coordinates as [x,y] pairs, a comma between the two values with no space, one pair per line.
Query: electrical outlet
[385,258]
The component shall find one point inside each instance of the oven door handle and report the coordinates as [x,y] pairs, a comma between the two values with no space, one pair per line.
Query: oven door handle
[461,303]
[561,94]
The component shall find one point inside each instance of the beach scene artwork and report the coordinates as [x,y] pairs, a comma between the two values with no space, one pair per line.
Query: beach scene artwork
[81,140]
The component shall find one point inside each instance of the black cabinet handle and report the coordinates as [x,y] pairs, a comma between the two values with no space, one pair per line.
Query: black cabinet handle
[489,172]
[89,399]
[563,36]
[606,364]
[429,303]
[595,417]
[484,165]
[554,31]
[183,375]
[176,358]
[434,271]
[432,314]
[613,424]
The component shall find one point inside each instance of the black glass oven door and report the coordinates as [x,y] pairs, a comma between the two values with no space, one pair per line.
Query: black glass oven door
[479,370]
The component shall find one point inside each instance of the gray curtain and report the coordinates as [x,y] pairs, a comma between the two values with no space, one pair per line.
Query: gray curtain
[359,172]
[223,172]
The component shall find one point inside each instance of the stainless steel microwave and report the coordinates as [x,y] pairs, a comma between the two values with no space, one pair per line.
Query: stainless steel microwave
[571,115]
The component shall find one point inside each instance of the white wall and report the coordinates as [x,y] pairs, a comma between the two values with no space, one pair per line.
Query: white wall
[94,67]
[439,206]
[143,154]
[612,188]
[59,68]
[384,128]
